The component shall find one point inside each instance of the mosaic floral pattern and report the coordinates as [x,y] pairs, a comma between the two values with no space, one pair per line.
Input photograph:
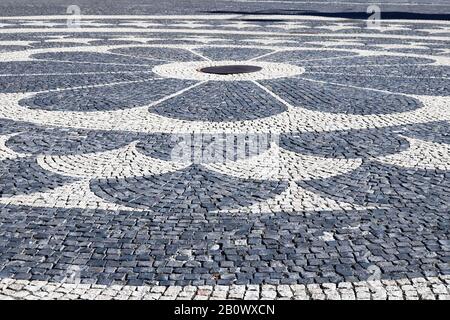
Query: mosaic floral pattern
[356,173]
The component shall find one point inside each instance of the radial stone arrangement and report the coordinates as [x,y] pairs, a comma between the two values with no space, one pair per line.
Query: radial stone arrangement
[353,185]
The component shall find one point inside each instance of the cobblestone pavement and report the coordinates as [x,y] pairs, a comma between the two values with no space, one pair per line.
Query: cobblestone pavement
[344,8]
[345,194]
[432,288]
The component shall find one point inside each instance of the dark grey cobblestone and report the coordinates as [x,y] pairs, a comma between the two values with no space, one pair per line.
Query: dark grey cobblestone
[165,54]
[408,188]
[94,57]
[227,102]
[348,144]
[115,97]
[192,190]
[411,85]
[25,176]
[33,83]
[338,99]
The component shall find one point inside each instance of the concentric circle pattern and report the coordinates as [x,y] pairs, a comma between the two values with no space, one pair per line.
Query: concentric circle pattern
[193,70]
[122,156]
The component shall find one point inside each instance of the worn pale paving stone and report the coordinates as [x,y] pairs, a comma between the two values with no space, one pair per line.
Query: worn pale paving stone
[347,182]
[432,288]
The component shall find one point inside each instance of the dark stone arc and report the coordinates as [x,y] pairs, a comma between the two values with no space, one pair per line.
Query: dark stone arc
[300,57]
[231,54]
[347,144]
[35,140]
[106,98]
[146,54]
[93,57]
[190,190]
[396,187]
[225,147]
[438,131]
[227,101]
[34,83]
[25,176]
[402,84]
[334,98]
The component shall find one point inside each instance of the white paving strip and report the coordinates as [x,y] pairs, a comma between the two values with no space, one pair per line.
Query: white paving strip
[431,288]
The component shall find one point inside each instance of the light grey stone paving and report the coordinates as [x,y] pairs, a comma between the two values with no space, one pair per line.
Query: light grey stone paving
[434,288]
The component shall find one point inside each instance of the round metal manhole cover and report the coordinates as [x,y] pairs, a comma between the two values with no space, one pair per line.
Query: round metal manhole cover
[231,69]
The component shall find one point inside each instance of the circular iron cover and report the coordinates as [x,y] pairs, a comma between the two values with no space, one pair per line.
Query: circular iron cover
[232,69]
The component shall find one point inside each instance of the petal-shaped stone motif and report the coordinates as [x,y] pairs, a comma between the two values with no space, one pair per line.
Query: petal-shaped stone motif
[162,54]
[227,101]
[300,57]
[415,84]
[110,97]
[191,190]
[94,57]
[346,144]
[237,54]
[327,97]
[388,185]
